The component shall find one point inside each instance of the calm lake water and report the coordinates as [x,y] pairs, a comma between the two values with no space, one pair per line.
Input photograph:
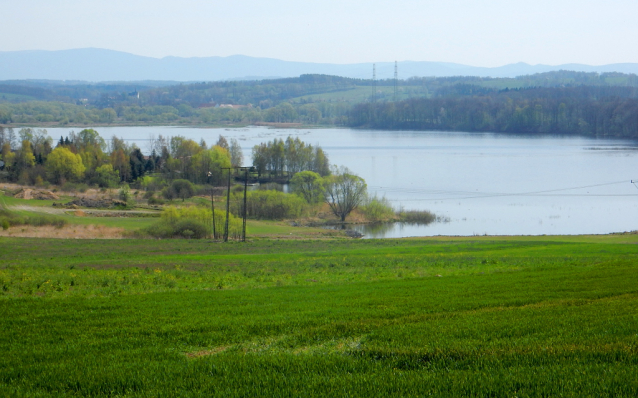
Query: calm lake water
[483,183]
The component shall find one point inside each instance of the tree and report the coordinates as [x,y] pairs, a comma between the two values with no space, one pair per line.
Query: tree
[137,162]
[62,164]
[5,116]
[8,157]
[236,155]
[91,147]
[321,164]
[182,189]
[108,115]
[344,192]
[206,166]
[24,157]
[260,158]
[222,142]
[121,162]
[106,176]
[308,185]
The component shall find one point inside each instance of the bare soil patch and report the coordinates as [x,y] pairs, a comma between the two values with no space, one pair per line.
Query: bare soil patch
[66,232]
[28,193]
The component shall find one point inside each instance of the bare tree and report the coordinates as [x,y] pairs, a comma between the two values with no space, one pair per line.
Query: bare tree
[222,142]
[344,192]
[236,155]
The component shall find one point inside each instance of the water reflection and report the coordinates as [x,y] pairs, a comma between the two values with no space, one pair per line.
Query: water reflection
[386,229]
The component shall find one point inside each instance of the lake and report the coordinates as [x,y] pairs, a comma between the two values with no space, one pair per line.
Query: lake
[484,183]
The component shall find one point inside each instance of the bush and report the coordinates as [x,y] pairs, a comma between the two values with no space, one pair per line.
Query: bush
[193,222]
[190,229]
[155,201]
[376,209]
[417,216]
[181,189]
[271,205]
[125,193]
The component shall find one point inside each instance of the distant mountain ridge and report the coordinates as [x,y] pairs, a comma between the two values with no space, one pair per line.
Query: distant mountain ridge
[99,65]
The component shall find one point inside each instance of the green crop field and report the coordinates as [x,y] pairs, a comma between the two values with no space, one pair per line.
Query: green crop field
[476,316]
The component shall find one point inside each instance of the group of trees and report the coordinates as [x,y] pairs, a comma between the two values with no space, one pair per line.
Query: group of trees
[30,157]
[278,158]
[342,190]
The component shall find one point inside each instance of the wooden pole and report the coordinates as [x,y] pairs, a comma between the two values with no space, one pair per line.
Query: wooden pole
[227,208]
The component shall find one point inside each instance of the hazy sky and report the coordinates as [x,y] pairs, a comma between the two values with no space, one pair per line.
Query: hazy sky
[473,32]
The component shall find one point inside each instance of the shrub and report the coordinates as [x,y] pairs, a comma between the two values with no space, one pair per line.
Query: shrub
[124,193]
[417,216]
[376,209]
[181,189]
[308,185]
[193,222]
[191,229]
[272,205]
[155,201]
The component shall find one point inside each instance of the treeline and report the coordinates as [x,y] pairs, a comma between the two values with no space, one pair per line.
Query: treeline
[31,157]
[560,102]
[267,93]
[585,110]
[58,113]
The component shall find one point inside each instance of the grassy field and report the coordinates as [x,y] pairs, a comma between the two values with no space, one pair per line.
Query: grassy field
[476,316]
[79,220]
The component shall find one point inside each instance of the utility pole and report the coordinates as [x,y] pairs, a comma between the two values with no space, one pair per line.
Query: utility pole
[246,170]
[227,205]
[396,81]
[212,203]
[374,82]
[245,209]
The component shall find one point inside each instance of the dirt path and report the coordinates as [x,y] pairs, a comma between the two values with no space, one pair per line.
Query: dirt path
[38,209]
[60,211]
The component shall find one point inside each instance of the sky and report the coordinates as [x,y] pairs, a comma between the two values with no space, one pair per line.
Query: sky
[471,32]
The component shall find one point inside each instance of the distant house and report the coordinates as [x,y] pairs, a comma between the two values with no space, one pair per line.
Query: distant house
[235,106]
[209,105]
[135,94]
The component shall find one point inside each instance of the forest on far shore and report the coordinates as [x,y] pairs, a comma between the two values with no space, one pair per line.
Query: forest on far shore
[562,102]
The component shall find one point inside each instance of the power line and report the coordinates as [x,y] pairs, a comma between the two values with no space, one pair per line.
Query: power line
[474,195]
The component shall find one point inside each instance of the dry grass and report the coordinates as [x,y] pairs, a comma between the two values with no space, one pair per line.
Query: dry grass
[204,353]
[66,232]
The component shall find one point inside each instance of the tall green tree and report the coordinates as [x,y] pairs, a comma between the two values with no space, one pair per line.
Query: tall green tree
[63,165]
[308,185]
[345,191]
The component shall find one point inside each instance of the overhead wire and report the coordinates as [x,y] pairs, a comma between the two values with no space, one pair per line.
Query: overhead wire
[475,195]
